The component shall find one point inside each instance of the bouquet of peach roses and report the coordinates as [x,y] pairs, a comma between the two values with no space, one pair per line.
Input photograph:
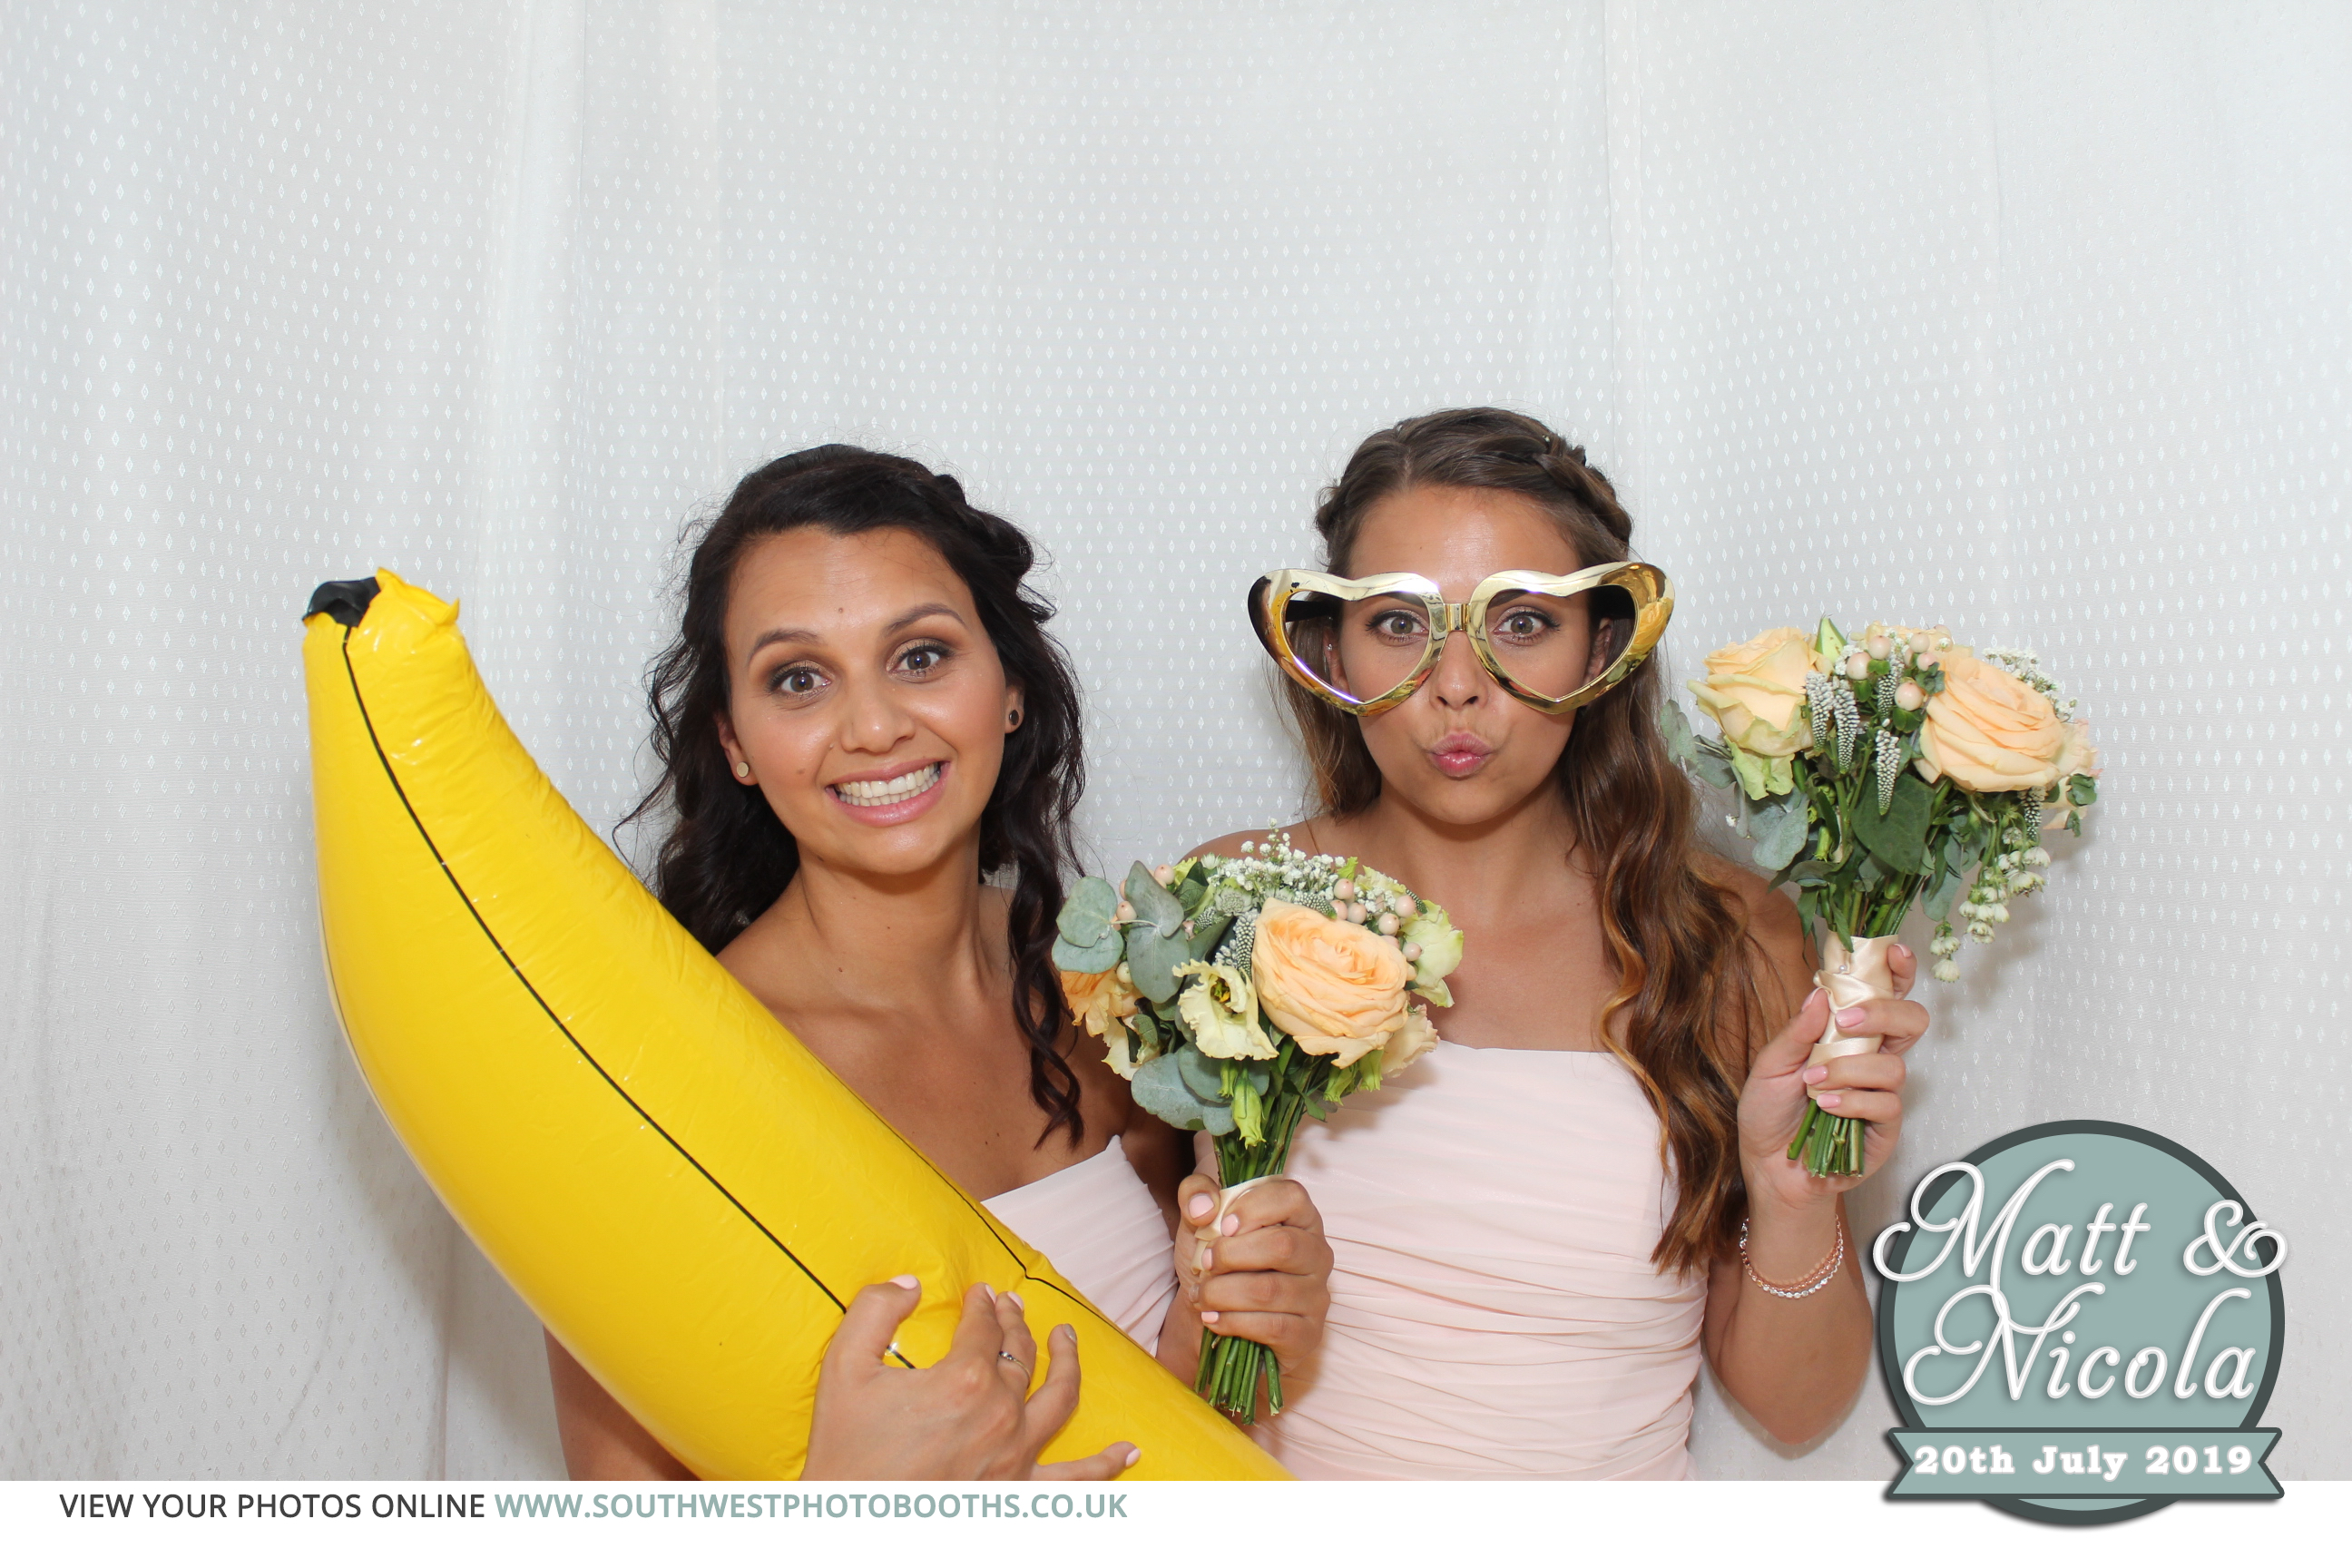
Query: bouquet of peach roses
[1240,995]
[1893,768]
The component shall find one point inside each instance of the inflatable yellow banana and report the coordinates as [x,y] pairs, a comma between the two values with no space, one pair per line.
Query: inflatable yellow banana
[682,1192]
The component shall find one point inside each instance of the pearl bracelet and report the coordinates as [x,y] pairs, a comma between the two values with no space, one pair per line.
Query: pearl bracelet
[1803,1288]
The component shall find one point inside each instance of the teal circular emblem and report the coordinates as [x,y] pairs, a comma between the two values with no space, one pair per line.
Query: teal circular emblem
[2080,1322]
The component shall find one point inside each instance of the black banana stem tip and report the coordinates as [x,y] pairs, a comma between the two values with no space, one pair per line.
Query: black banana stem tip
[347,602]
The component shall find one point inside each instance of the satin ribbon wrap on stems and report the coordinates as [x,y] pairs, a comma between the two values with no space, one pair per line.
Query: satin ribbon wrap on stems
[1831,1145]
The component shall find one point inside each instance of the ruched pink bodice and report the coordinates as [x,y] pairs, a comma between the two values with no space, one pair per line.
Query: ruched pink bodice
[1101,1227]
[1495,1313]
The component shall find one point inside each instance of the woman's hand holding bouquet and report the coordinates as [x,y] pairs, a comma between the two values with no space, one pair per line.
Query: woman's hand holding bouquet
[1786,1084]
[1253,1260]
[1239,996]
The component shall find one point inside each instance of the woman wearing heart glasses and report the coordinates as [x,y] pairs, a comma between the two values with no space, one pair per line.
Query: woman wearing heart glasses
[1542,1228]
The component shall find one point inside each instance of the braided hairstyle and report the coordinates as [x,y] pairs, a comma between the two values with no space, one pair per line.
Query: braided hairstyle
[727,857]
[1676,929]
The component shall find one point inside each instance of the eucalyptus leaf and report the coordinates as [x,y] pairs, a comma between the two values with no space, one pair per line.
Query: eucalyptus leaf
[1152,960]
[1782,833]
[1094,959]
[1746,809]
[2081,790]
[1675,732]
[1154,905]
[1205,1077]
[1146,1027]
[1808,873]
[1090,911]
[1705,761]
[1159,1087]
[1711,767]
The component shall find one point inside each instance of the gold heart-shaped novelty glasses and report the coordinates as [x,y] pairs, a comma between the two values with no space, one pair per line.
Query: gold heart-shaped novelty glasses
[1366,644]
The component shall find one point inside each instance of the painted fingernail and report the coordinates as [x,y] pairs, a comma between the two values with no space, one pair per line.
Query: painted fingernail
[1063,1335]
[1903,950]
[1208,1258]
[1133,1454]
[1232,1223]
[1817,995]
[1848,1017]
[1014,1297]
[1826,1101]
[1208,1316]
[990,1288]
[1815,1075]
[1200,1206]
[906,1282]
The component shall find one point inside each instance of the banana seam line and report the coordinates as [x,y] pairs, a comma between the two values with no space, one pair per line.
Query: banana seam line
[392,777]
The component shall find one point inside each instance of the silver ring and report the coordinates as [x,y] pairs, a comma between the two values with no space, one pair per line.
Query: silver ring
[1016,1361]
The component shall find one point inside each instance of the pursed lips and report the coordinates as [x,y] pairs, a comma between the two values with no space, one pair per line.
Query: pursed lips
[1459,755]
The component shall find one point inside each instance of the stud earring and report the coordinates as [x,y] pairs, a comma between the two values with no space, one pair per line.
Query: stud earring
[1013,719]
[743,770]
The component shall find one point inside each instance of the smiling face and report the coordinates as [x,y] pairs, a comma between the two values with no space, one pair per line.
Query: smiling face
[1461,750]
[866,698]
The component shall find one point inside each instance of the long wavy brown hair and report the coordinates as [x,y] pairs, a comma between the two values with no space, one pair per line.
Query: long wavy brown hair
[1685,1008]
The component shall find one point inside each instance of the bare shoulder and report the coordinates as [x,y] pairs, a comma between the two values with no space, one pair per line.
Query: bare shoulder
[1772,920]
[1303,834]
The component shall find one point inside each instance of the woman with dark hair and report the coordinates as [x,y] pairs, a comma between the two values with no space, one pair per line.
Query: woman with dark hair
[1585,1187]
[870,751]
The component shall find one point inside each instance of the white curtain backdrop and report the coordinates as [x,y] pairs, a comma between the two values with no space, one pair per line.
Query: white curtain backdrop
[2032,317]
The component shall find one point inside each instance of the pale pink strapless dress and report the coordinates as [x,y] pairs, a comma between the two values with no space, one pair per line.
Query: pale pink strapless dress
[1101,1227]
[1495,1314]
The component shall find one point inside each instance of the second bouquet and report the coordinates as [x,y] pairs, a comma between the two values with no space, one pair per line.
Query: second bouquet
[1878,771]
[1239,995]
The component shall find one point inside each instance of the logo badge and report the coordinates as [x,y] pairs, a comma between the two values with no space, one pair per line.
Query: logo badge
[2079,1323]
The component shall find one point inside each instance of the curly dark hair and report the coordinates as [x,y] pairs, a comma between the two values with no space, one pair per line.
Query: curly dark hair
[728,857]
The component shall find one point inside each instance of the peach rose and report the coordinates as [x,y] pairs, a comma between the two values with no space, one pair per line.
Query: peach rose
[1988,730]
[1101,1002]
[1755,691]
[1335,987]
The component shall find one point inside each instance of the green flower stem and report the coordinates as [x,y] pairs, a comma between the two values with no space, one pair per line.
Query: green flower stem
[1237,1372]
[1829,1146]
